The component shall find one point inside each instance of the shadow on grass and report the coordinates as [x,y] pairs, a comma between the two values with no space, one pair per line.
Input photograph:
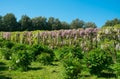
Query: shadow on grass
[35,68]
[3,77]
[54,64]
[102,75]
[1,63]
[3,66]
[84,75]
[107,75]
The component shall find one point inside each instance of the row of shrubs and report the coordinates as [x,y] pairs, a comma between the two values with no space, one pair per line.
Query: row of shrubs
[21,55]
[97,62]
[74,60]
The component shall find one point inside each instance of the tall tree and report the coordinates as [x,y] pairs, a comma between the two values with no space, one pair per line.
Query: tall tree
[77,24]
[90,25]
[51,22]
[112,22]
[1,29]
[56,25]
[9,22]
[39,23]
[25,22]
[65,25]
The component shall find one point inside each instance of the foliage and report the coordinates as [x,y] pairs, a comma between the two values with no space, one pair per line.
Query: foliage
[65,25]
[97,60]
[19,47]
[5,53]
[99,47]
[77,52]
[5,49]
[1,23]
[116,66]
[20,60]
[38,49]
[26,23]
[77,24]
[1,43]
[9,22]
[42,54]
[21,57]
[39,23]
[111,23]
[70,57]
[8,44]
[54,24]
[72,68]
[90,25]
[45,58]
[63,52]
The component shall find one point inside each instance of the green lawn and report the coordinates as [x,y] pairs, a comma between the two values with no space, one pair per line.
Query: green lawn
[37,71]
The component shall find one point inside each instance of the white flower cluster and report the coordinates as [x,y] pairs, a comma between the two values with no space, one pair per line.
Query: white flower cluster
[107,31]
[117,46]
[17,61]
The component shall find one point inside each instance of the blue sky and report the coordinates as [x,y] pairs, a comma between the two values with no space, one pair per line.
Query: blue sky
[98,11]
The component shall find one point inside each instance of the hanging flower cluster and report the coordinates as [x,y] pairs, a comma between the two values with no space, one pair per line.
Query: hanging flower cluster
[110,34]
[85,38]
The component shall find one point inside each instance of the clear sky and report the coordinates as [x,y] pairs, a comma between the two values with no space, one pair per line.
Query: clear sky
[98,11]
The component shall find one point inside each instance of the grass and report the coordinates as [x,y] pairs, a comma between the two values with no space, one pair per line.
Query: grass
[38,71]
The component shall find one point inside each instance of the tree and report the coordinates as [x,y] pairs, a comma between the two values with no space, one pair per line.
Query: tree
[56,25]
[90,25]
[1,23]
[112,22]
[50,22]
[9,22]
[65,25]
[26,23]
[39,23]
[77,24]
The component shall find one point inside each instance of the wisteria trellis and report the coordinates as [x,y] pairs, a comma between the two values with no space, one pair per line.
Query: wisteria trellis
[85,38]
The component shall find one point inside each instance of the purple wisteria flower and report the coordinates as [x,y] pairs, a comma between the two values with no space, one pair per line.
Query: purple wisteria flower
[6,35]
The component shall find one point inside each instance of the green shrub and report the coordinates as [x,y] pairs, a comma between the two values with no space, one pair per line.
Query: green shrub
[116,66]
[118,57]
[5,49]
[98,60]
[61,53]
[1,43]
[19,47]
[72,68]
[40,51]
[44,55]
[8,44]
[77,52]
[5,53]
[72,65]
[45,58]
[37,49]
[20,60]
[21,57]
